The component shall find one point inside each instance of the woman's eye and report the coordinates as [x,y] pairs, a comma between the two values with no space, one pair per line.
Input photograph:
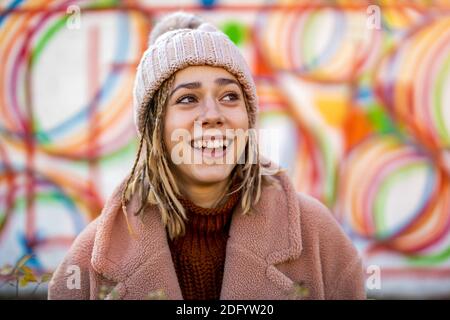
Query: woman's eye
[186,99]
[231,97]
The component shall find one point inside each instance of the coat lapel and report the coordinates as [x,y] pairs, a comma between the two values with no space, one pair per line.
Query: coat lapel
[259,242]
[142,264]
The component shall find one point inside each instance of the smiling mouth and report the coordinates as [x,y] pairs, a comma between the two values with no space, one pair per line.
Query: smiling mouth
[212,148]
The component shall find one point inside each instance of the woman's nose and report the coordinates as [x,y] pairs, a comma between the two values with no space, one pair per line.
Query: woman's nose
[211,114]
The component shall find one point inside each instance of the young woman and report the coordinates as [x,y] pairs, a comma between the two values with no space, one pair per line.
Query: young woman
[201,216]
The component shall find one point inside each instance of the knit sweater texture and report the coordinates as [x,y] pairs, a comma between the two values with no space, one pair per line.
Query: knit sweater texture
[199,255]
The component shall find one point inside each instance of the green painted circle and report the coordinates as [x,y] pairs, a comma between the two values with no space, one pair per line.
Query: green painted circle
[236,31]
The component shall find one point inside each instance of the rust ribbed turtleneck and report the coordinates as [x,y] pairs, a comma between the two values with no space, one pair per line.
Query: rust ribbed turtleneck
[199,255]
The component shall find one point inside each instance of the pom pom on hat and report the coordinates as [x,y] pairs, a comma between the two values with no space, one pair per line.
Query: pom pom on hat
[176,21]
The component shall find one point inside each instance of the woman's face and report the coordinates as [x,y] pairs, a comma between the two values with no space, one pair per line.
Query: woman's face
[203,125]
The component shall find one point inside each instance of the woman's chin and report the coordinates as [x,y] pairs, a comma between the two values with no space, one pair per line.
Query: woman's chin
[211,173]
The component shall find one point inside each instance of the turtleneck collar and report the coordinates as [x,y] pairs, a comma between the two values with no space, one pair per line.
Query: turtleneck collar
[211,219]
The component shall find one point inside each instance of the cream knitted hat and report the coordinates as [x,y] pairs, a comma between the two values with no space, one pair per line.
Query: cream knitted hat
[181,40]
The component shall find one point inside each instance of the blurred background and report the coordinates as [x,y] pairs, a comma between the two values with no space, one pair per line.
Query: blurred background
[355,95]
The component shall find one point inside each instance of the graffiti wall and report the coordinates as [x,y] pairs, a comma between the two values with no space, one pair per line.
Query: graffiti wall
[356,94]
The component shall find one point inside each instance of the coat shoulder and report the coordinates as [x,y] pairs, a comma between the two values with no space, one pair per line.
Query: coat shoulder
[317,219]
[340,261]
[84,242]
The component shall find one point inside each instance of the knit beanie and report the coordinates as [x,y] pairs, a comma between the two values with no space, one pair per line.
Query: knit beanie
[180,40]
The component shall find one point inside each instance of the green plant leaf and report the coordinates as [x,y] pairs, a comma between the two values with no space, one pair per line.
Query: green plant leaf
[26,270]
[157,295]
[6,270]
[300,290]
[23,260]
[29,277]
[23,281]
[46,277]
[114,294]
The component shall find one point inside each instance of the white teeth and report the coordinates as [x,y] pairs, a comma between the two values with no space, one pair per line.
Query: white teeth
[199,144]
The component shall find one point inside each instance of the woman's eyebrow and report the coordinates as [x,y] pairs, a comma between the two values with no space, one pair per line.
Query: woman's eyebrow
[225,81]
[196,85]
[189,85]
